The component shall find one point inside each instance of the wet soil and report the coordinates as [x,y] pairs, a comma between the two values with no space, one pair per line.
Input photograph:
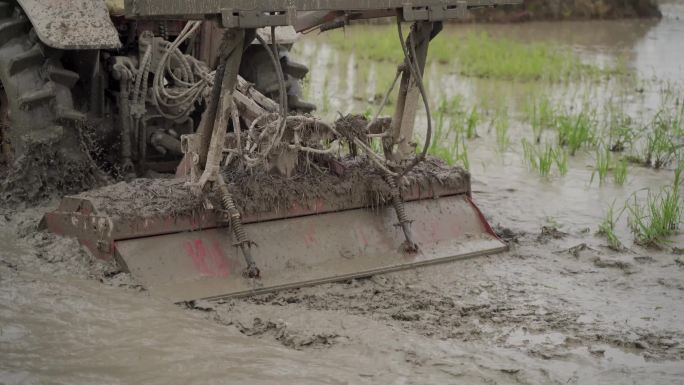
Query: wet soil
[560,307]
[144,198]
[338,181]
[335,181]
[43,173]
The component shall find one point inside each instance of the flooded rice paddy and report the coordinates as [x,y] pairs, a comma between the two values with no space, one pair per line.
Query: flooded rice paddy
[565,306]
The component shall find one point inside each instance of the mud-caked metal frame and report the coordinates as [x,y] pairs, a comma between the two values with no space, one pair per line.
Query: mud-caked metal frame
[263,13]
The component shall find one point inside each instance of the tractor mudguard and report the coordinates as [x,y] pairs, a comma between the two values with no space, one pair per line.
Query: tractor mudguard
[72,24]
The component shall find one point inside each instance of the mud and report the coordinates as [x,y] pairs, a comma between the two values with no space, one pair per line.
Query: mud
[43,173]
[337,181]
[144,198]
[353,126]
[568,310]
[340,181]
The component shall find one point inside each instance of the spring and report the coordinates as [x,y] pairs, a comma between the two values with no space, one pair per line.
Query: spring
[163,30]
[235,219]
[410,245]
[397,202]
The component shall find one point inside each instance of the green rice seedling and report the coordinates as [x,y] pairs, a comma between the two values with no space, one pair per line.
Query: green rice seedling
[368,42]
[535,122]
[453,152]
[449,145]
[540,160]
[501,126]
[575,131]
[537,130]
[547,113]
[560,158]
[439,118]
[659,216]
[607,228]
[620,172]
[306,87]
[457,123]
[476,54]
[462,153]
[602,165]
[326,97]
[376,145]
[679,122]
[471,123]
[481,55]
[621,130]
[545,161]
[444,153]
[660,147]
[541,115]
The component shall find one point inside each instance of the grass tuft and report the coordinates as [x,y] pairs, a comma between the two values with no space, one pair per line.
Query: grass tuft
[501,127]
[603,160]
[450,144]
[607,228]
[661,149]
[575,131]
[659,216]
[620,172]
[542,159]
[541,115]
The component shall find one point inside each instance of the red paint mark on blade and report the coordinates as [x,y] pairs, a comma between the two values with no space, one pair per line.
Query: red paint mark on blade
[220,260]
[198,253]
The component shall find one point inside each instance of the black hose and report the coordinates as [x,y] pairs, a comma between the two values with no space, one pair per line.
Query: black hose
[272,53]
[279,74]
[412,62]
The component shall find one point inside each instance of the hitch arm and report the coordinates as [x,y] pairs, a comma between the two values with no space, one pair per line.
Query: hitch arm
[214,123]
[205,149]
[401,147]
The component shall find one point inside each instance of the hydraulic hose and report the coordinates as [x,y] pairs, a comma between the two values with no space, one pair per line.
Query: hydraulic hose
[414,67]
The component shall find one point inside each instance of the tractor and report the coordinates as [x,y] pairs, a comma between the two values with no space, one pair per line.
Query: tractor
[228,184]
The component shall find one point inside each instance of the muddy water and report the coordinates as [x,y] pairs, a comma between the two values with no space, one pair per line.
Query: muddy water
[560,307]
[66,320]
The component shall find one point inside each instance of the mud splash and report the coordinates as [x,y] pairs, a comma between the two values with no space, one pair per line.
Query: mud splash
[43,173]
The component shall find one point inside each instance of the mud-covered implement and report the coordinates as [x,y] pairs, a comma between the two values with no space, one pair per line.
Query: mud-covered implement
[188,253]
[268,196]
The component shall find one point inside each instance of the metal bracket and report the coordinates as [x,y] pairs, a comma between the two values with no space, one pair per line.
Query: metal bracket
[231,18]
[435,12]
[191,147]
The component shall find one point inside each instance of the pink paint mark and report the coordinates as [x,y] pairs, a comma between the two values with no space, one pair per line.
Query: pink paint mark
[434,231]
[363,237]
[310,236]
[220,260]
[198,253]
[208,261]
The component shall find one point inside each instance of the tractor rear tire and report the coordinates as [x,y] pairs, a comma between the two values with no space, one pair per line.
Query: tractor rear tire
[43,149]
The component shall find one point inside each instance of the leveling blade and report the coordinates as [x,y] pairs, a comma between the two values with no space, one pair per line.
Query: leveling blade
[182,256]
